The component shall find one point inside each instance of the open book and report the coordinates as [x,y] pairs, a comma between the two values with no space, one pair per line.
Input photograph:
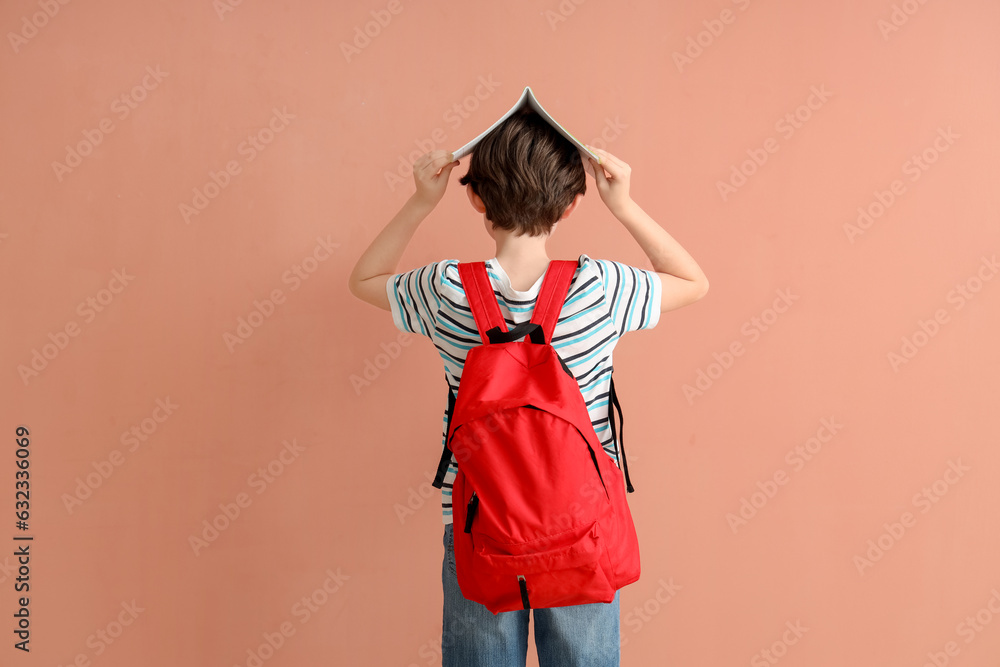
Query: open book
[528,99]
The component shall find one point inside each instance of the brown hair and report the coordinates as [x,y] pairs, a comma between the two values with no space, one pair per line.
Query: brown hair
[526,173]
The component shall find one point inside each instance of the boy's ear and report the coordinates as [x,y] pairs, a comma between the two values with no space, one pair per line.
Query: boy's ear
[572,206]
[477,203]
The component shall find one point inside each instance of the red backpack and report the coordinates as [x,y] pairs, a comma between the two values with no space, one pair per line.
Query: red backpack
[539,510]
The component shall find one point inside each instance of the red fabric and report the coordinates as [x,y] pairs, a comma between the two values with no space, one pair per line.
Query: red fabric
[551,503]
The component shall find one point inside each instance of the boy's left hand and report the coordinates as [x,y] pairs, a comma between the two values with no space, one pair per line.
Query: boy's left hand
[431,184]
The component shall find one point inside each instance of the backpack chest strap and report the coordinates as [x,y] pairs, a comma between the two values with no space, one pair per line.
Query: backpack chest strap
[486,311]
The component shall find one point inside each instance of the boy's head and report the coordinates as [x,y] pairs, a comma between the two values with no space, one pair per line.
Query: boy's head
[526,174]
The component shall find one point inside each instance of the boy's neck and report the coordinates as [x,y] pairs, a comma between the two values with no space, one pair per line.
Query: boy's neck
[523,251]
[523,258]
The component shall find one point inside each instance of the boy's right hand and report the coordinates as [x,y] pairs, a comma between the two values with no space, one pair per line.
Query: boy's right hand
[430,174]
[612,186]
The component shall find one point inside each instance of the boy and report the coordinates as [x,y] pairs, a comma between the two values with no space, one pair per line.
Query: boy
[524,178]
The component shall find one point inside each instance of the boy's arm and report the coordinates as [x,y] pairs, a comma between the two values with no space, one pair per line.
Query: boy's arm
[379,261]
[682,279]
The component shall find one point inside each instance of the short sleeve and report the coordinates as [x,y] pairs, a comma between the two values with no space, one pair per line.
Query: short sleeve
[632,295]
[415,297]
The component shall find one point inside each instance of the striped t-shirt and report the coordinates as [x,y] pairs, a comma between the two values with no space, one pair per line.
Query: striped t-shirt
[605,300]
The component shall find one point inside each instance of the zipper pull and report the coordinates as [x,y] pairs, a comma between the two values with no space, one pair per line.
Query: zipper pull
[524,591]
[471,511]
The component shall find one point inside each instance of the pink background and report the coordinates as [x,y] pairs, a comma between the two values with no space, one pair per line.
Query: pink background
[333,126]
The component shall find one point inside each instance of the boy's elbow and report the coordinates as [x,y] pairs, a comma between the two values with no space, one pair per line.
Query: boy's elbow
[359,289]
[352,286]
[356,284]
[702,289]
[695,291]
[371,290]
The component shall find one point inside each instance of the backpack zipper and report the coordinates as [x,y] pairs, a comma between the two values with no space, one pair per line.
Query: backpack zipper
[471,511]
[524,591]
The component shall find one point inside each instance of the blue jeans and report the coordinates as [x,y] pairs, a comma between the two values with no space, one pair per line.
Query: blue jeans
[472,636]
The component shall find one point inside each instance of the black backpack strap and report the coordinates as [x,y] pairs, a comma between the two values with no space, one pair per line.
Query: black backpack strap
[618,437]
[529,329]
[445,461]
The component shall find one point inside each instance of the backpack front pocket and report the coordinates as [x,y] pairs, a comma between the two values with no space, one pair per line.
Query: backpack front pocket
[558,570]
